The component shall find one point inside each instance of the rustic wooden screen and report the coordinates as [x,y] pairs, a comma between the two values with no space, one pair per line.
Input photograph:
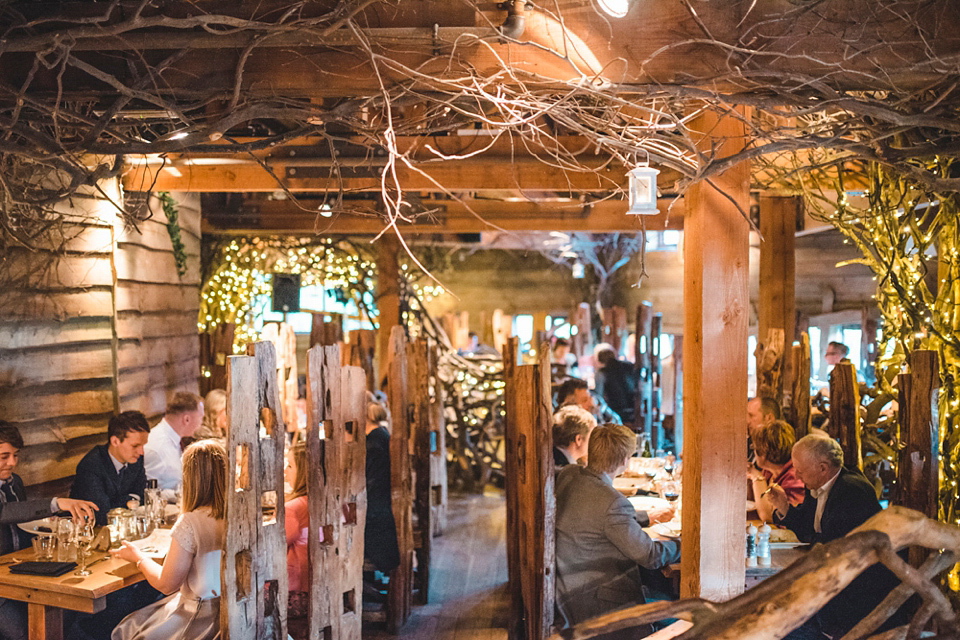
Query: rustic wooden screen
[418,393]
[918,471]
[770,366]
[400,595]
[336,455]
[800,413]
[643,360]
[531,505]
[844,422]
[363,345]
[254,568]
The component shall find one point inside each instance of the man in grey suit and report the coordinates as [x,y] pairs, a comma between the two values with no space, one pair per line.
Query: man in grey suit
[600,544]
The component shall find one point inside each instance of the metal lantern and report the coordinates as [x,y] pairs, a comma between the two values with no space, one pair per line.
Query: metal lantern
[643,191]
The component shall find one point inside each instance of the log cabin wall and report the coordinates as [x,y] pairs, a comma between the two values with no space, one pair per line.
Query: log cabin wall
[109,325]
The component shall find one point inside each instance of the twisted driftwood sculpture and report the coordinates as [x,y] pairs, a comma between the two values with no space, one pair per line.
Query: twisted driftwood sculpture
[782,603]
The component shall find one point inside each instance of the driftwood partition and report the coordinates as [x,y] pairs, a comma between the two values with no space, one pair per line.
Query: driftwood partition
[531,506]
[800,414]
[400,594]
[918,471]
[254,568]
[336,455]
[844,422]
[361,353]
[214,349]
[770,366]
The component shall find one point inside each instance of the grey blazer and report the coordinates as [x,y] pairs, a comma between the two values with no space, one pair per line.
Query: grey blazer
[599,547]
[24,511]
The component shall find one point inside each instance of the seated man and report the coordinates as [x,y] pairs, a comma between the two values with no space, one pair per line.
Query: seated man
[571,430]
[161,455]
[575,391]
[836,501]
[616,382]
[600,545]
[14,508]
[112,474]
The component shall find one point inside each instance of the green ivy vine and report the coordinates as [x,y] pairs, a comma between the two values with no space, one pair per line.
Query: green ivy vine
[173,230]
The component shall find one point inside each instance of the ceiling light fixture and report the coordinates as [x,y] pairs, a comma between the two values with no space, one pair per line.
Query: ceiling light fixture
[643,190]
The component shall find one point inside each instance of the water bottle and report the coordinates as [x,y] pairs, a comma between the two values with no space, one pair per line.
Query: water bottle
[752,546]
[763,545]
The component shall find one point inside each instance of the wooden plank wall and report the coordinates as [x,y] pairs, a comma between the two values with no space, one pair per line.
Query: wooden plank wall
[254,566]
[531,497]
[108,325]
[157,342]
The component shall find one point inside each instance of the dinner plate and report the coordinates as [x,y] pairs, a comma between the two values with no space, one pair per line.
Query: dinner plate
[648,503]
[34,526]
[667,529]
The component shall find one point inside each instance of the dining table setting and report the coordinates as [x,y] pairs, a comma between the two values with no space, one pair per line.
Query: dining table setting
[69,565]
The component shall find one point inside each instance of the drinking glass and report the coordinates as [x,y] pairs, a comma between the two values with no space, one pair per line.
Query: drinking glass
[669,490]
[85,536]
[43,545]
[66,550]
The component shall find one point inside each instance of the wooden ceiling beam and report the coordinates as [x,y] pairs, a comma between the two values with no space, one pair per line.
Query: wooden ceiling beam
[455,175]
[608,216]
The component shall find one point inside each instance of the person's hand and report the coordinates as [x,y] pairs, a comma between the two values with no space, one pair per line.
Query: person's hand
[778,498]
[660,514]
[127,552]
[80,510]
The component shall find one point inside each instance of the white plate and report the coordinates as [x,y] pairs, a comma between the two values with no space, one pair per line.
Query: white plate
[648,503]
[34,525]
[667,529]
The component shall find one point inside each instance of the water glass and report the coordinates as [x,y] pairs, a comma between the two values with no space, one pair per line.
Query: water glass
[66,549]
[43,545]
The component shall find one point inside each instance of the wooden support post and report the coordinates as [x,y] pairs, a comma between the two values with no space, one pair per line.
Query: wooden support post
[845,412]
[438,444]
[776,304]
[214,349]
[326,333]
[324,477]
[643,360]
[530,444]
[362,353]
[388,298]
[656,370]
[419,395]
[44,622]
[716,308]
[583,339]
[254,566]
[918,471]
[515,628]
[400,594]
[678,392]
[353,497]
[502,328]
[800,413]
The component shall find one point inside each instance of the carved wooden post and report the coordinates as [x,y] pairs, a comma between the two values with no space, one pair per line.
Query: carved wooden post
[800,398]
[353,496]
[362,353]
[770,366]
[254,566]
[400,594]
[643,356]
[918,471]
[845,412]
[775,297]
[530,444]
[324,478]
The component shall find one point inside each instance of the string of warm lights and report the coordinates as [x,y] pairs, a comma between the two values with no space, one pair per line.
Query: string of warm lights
[909,238]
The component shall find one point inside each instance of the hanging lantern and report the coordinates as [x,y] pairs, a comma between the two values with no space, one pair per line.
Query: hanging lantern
[577,270]
[643,191]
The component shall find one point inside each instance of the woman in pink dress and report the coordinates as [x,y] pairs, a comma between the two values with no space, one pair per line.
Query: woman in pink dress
[773,443]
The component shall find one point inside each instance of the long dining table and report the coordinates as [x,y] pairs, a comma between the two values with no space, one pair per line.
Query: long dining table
[48,597]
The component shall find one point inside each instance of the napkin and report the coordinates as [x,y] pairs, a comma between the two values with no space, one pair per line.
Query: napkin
[51,569]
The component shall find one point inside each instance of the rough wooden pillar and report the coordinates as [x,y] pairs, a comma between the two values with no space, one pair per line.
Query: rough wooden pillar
[438,444]
[716,309]
[776,305]
[353,497]
[643,361]
[918,471]
[515,628]
[362,353]
[326,333]
[678,392]
[845,412]
[583,340]
[529,443]
[770,369]
[400,594]
[324,479]
[656,369]
[800,413]
[388,298]
[418,388]
[254,566]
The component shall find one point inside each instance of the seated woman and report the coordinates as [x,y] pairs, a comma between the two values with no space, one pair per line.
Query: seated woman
[773,443]
[214,423]
[192,566]
[297,520]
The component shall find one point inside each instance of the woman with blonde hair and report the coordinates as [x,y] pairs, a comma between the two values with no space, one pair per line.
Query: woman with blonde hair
[214,423]
[297,521]
[191,570]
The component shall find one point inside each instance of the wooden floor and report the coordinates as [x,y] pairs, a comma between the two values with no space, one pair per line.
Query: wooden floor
[468,579]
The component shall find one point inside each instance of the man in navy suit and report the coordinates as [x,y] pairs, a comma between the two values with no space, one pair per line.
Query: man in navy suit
[14,508]
[112,474]
[837,500]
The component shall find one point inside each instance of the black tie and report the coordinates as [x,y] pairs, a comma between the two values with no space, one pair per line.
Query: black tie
[12,541]
[8,494]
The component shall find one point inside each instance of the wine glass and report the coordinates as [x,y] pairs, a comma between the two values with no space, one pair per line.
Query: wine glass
[669,490]
[85,535]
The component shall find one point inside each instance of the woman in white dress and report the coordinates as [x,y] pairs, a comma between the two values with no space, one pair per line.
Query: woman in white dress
[192,566]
